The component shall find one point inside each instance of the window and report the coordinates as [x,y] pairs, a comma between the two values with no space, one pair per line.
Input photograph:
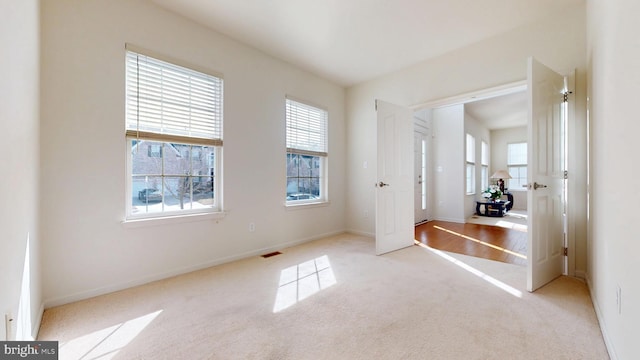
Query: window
[306,133]
[174,138]
[154,150]
[517,165]
[485,165]
[471,164]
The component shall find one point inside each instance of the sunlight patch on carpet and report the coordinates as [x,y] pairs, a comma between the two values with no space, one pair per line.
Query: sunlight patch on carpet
[300,281]
[106,343]
[491,280]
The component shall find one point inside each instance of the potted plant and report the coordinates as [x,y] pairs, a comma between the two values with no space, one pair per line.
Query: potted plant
[492,193]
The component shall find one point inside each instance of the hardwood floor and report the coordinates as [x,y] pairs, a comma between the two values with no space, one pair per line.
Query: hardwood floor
[484,241]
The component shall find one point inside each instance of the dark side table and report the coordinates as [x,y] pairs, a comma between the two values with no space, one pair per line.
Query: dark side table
[510,198]
[492,208]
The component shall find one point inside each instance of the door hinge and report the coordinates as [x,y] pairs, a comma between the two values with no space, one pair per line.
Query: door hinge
[565,96]
[566,174]
[566,252]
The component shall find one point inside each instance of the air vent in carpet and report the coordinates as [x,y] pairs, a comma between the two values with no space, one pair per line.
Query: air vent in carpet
[271,254]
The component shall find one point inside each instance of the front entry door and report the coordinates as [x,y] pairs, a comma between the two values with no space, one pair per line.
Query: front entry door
[420,161]
[394,184]
[545,250]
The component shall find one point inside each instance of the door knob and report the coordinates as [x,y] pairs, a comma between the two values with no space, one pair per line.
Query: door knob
[537,186]
[381,184]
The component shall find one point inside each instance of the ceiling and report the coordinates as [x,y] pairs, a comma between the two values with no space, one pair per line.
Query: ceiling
[500,112]
[351,41]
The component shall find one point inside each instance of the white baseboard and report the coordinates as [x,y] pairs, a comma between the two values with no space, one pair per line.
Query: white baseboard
[38,320]
[49,303]
[603,328]
[455,220]
[361,233]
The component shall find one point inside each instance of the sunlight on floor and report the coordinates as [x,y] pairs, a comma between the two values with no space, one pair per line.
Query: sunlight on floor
[491,280]
[514,219]
[303,280]
[512,225]
[106,343]
[481,242]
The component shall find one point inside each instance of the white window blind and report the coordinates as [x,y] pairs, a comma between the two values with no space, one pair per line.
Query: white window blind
[306,129]
[471,149]
[517,164]
[167,102]
[517,154]
[485,153]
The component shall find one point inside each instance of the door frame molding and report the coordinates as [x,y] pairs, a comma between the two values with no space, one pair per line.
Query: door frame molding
[472,96]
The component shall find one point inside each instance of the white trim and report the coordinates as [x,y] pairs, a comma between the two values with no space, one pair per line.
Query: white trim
[572,150]
[38,320]
[175,219]
[603,328]
[472,96]
[295,205]
[455,220]
[362,233]
[179,271]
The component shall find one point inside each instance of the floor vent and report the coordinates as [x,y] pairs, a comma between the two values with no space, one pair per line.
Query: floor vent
[271,254]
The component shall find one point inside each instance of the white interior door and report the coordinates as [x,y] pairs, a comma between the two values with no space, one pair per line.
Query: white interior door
[394,186]
[420,179]
[545,176]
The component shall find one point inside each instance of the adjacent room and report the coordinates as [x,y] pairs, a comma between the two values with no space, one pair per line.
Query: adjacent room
[495,133]
[243,179]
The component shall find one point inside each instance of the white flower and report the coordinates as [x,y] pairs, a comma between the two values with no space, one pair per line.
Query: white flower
[492,192]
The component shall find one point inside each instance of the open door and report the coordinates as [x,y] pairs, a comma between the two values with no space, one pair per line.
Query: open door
[545,249]
[394,186]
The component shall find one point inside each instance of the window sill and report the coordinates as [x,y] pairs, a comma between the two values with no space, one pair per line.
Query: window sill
[174,219]
[306,205]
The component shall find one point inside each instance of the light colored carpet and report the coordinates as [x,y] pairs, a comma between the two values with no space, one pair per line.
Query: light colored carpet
[335,299]
[514,219]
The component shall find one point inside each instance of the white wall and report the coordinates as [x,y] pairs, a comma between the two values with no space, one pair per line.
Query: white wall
[423,123]
[614,246]
[474,128]
[499,140]
[448,162]
[558,42]
[19,129]
[88,250]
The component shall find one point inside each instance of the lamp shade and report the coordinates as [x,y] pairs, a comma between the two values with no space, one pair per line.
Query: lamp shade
[501,174]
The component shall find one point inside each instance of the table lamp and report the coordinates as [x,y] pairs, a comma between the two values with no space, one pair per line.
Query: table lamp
[500,175]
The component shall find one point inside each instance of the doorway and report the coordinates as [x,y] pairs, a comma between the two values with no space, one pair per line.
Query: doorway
[503,111]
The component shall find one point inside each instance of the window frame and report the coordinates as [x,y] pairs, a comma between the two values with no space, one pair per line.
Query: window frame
[517,166]
[470,164]
[207,137]
[485,165]
[315,149]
